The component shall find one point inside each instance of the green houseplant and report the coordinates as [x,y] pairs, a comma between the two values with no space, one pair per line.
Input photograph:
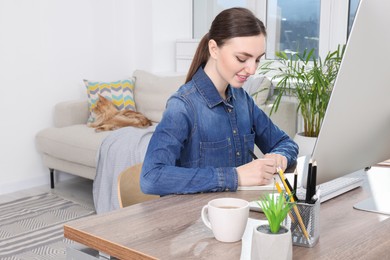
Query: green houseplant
[307,78]
[275,210]
[272,240]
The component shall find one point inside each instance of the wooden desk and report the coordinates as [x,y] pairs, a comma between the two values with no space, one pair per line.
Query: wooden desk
[171,228]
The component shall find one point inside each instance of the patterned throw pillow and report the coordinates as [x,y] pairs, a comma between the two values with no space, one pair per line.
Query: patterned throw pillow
[121,94]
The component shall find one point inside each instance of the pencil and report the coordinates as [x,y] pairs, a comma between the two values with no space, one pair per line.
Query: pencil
[313,181]
[295,208]
[291,189]
[308,182]
[295,180]
[281,194]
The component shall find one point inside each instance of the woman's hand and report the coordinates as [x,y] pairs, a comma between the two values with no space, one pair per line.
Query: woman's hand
[280,160]
[257,172]
[260,171]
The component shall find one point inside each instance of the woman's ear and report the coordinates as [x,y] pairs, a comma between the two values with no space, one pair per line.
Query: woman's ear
[213,49]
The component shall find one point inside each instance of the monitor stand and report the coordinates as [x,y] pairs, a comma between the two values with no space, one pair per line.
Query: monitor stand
[378,181]
[371,206]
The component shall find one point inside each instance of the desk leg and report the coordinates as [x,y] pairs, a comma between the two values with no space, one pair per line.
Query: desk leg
[80,252]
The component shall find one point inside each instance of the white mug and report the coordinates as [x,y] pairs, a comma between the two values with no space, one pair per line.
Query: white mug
[227,218]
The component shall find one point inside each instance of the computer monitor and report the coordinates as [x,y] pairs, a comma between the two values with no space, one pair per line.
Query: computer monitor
[355,132]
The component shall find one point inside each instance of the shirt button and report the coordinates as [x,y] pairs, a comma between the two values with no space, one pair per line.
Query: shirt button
[229,110]
[238,153]
[234,132]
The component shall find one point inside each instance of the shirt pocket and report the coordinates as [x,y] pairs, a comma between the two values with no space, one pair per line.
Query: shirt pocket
[249,144]
[216,154]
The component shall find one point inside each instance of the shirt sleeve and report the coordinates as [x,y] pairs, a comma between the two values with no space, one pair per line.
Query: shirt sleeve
[271,139]
[160,173]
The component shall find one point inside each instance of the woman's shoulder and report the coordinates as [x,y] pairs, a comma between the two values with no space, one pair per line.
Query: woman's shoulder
[186,89]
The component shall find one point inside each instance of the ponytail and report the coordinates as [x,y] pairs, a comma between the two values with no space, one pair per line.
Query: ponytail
[201,56]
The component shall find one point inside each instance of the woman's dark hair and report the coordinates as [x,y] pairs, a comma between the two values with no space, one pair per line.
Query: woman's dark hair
[230,23]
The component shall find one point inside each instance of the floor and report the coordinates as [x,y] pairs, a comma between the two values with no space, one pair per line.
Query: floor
[76,189]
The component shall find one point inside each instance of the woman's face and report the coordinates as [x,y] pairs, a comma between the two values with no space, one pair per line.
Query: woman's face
[236,60]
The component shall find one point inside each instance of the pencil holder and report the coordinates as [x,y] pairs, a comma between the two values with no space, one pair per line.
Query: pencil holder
[310,218]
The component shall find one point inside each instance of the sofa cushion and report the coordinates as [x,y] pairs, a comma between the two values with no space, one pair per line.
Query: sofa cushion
[76,143]
[152,92]
[120,92]
[259,87]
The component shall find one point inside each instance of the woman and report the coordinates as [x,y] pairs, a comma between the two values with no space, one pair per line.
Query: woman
[203,140]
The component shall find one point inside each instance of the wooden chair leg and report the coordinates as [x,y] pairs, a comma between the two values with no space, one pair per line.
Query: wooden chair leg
[51,178]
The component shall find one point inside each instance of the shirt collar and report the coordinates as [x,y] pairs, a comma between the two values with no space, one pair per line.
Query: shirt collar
[209,92]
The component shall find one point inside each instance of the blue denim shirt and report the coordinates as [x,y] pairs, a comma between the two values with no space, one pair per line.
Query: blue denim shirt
[202,138]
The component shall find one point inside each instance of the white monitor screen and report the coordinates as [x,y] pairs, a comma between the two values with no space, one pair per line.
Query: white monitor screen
[356,129]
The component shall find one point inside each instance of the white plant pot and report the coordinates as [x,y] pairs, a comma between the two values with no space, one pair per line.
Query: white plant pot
[269,246]
[306,144]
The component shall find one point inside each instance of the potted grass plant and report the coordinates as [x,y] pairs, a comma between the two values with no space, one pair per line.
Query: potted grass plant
[308,79]
[273,240]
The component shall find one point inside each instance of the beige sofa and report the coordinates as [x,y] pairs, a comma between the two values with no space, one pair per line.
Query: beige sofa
[70,146]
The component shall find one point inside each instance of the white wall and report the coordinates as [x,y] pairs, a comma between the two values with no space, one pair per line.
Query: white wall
[48,46]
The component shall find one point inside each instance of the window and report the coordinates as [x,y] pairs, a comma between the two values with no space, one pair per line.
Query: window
[353,5]
[292,25]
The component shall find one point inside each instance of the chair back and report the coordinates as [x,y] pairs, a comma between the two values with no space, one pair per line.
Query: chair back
[129,190]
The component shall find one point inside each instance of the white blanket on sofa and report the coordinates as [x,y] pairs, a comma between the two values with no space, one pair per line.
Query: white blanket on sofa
[121,149]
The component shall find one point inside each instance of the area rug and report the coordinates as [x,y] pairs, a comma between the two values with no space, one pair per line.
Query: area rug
[32,227]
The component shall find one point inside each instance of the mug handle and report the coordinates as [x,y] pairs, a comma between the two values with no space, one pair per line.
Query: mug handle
[205,216]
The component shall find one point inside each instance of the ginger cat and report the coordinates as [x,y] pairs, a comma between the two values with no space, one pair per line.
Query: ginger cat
[108,117]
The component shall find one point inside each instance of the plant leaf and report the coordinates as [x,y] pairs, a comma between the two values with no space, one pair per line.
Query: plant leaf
[309,79]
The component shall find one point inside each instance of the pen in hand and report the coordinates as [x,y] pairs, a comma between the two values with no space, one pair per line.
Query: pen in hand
[287,182]
[253,155]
